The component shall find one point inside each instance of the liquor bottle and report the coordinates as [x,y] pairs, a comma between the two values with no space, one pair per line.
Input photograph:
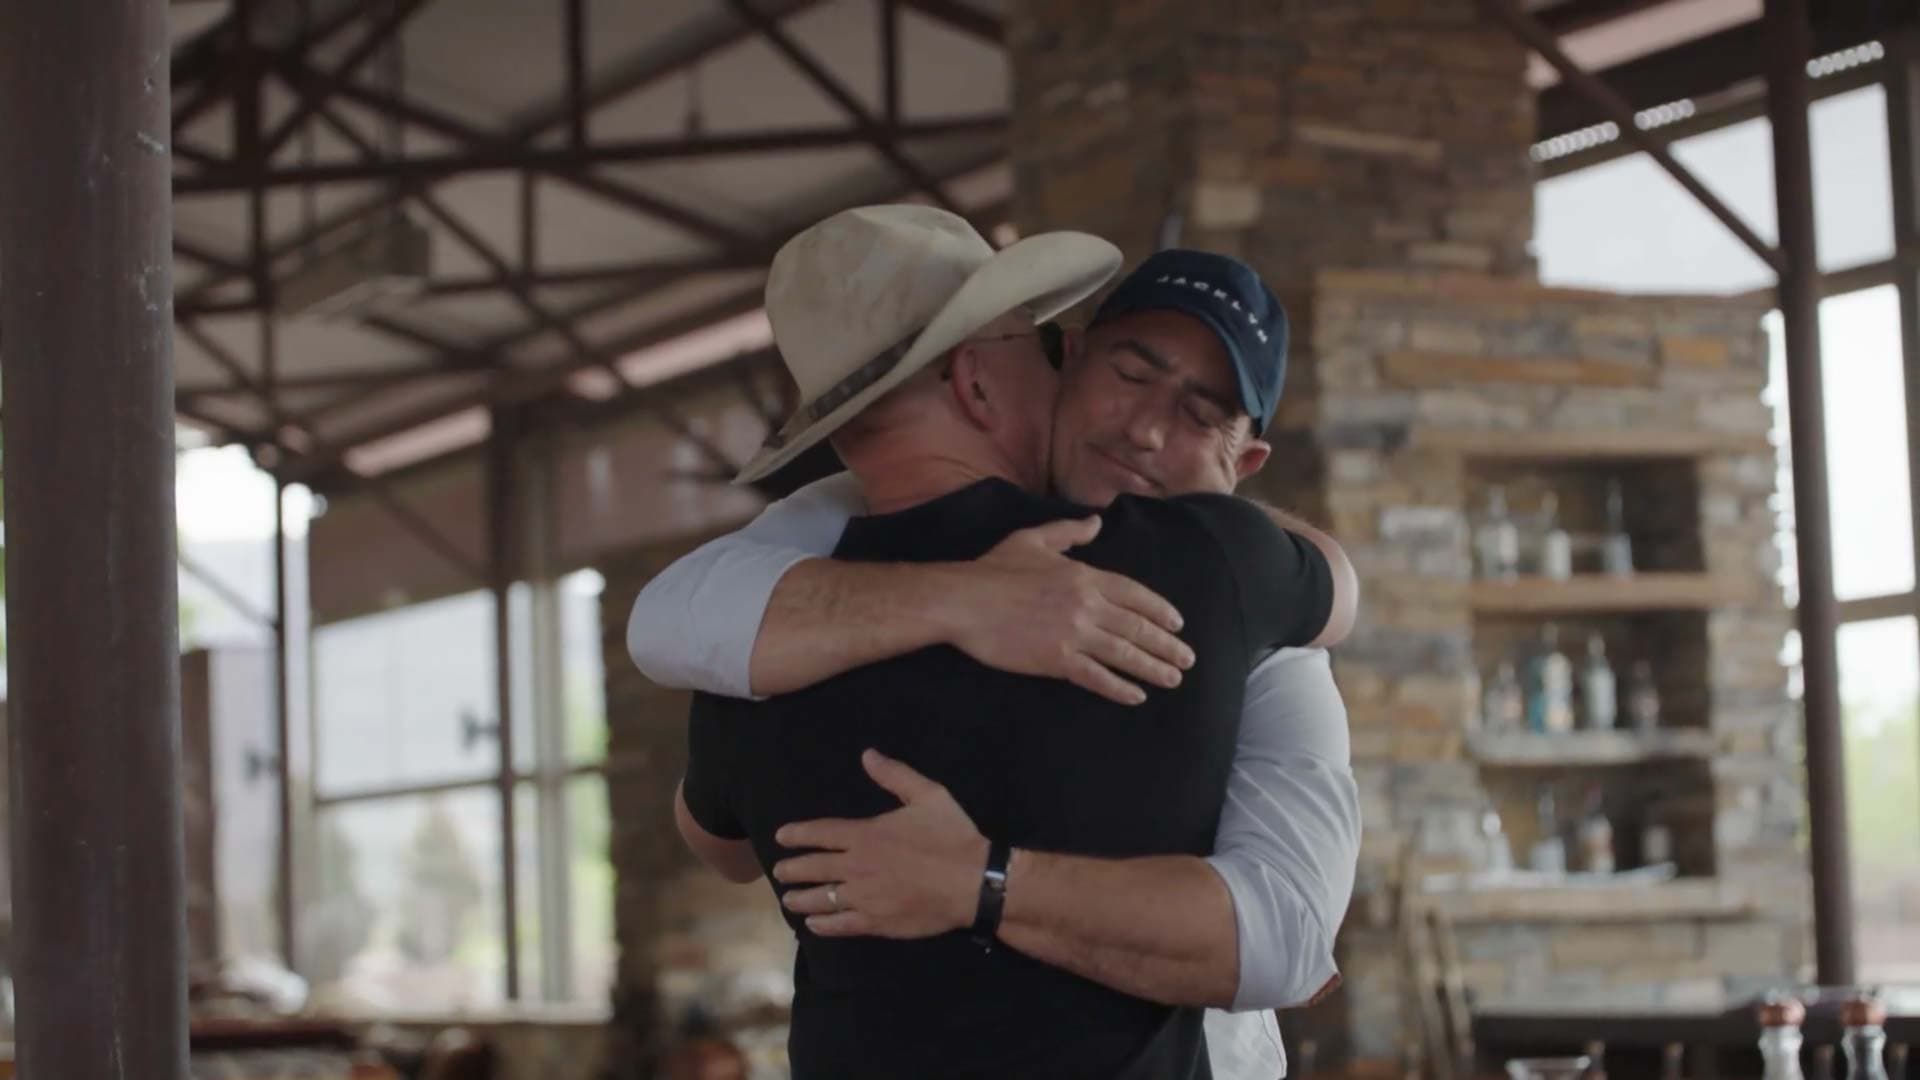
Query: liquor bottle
[1599,697]
[1865,1037]
[1780,1019]
[1616,547]
[1549,686]
[1549,854]
[1643,698]
[1556,547]
[1672,1057]
[1498,539]
[1493,834]
[1596,836]
[1502,705]
[1656,844]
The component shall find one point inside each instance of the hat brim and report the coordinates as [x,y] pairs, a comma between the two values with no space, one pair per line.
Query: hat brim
[1048,272]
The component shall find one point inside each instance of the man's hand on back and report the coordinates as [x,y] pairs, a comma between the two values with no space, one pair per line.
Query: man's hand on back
[1025,607]
[909,873]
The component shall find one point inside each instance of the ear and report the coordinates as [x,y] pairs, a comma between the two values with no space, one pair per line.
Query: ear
[972,390]
[1251,457]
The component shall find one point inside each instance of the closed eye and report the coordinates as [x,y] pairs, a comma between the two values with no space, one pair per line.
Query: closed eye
[1128,376]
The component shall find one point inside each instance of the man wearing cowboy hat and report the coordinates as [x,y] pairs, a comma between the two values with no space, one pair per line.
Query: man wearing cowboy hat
[986,398]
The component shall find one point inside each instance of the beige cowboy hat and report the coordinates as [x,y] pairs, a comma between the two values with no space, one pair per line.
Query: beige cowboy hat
[866,298]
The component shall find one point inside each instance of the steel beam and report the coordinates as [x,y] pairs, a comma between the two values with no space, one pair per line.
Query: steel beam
[1709,64]
[1903,133]
[576,68]
[326,380]
[889,11]
[98,936]
[875,135]
[1788,102]
[566,162]
[479,142]
[959,16]
[1616,109]
[316,93]
[526,387]
[649,70]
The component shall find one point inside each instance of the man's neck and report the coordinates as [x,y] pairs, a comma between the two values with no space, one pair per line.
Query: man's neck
[908,472]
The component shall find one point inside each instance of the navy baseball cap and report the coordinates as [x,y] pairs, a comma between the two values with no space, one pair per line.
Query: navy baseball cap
[1228,296]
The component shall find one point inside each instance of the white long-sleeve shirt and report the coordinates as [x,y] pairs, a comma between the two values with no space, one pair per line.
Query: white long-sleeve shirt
[1289,833]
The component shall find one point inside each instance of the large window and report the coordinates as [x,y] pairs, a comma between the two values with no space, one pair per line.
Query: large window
[1625,225]
[1880,698]
[405,902]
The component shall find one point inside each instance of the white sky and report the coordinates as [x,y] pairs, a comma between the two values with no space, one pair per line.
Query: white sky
[220,495]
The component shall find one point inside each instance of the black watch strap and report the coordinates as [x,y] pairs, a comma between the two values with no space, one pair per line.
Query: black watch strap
[993,894]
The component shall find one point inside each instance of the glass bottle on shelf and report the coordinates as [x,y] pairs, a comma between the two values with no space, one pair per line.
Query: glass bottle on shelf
[1643,697]
[1549,854]
[1556,547]
[1864,1039]
[1780,1020]
[1656,844]
[1672,1057]
[1497,541]
[1596,835]
[1502,705]
[1549,686]
[1493,835]
[1616,547]
[1599,697]
[1596,1061]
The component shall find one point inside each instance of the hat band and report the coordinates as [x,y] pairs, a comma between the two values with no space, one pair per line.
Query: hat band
[839,393]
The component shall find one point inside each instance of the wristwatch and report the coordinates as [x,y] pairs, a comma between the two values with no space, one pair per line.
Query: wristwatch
[993,894]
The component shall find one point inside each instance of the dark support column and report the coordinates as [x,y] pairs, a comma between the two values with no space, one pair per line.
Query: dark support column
[283,726]
[577,72]
[1787,99]
[502,550]
[1903,136]
[92,611]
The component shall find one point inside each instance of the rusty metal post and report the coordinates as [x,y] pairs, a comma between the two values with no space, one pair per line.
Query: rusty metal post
[99,942]
[1787,103]
[502,553]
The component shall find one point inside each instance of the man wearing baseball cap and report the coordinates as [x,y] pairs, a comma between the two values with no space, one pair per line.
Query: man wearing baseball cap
[1179,376]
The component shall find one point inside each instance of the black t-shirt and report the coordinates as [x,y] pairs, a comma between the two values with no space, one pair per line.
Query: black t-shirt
[1038,763]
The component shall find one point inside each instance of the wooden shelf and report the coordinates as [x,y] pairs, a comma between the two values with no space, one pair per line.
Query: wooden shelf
[1525,749]
[1596,594]
[1597,446]
[1683,898]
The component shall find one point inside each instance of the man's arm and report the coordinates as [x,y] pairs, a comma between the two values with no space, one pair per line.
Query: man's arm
[1024,607]
[732,859]
[756,612]
[1289,835]
[1250,928]
[693,626]
[1346,580]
